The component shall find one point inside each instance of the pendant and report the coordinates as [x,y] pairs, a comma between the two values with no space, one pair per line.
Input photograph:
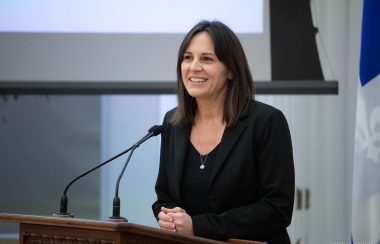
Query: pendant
[202,166]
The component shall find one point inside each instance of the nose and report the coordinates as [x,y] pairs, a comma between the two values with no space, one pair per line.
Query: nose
[195,65]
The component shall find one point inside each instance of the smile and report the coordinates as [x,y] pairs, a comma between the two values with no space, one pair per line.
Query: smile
[197,79]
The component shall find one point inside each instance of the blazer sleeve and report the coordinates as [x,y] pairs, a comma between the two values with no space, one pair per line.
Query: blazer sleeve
[164,198]
[271,214]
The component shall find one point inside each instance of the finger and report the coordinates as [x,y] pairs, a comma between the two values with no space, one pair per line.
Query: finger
[165,210]
[176,216]
[172,210]
[166,225]
[179,219]
[163,216]
[183,223]
[178,210]
[169,210]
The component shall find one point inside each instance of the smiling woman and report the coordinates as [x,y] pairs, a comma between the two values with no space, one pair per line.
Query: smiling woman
[226,165]
[208,65]
[202,72]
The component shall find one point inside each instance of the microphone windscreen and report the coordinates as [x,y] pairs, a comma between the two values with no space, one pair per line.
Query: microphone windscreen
[156,130]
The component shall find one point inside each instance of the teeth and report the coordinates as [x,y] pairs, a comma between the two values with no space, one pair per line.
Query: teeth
[198,79]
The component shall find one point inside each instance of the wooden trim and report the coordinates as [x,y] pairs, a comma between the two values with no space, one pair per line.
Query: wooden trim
[47,229]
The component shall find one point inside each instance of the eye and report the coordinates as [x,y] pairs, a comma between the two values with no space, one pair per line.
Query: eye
[207,59]
[187,57]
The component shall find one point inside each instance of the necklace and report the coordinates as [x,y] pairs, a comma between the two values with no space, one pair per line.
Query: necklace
[203,161]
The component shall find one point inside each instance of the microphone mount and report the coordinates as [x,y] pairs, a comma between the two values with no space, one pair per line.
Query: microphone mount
[153,131]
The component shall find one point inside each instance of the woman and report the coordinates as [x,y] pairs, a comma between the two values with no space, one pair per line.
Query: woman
[226,165]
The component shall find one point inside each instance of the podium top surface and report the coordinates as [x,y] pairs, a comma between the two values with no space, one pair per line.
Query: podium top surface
[102,225]
[61,221]
[111,226]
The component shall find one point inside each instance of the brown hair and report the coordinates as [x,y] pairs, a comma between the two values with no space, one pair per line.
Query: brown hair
[228,49]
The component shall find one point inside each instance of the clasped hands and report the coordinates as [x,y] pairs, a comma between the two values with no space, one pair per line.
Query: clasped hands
[175,219]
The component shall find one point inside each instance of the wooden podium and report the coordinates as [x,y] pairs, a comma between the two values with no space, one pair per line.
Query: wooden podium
[44,229]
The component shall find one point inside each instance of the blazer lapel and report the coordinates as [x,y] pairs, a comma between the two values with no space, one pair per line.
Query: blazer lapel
[230,137]
[181,140]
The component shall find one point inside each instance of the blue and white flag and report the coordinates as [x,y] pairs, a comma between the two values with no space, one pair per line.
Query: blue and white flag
[366,171]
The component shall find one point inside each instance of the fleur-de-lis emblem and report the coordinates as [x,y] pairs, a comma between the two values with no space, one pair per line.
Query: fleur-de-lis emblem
[374,135]
[368,134]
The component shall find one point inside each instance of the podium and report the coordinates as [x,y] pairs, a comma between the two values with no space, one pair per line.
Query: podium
[49,229]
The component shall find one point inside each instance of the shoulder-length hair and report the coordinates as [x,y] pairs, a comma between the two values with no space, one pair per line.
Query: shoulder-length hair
[228,49]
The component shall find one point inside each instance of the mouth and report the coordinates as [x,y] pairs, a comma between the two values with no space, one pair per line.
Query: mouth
[198,79]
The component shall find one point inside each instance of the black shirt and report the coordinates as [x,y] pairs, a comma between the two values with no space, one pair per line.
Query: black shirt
[195,180]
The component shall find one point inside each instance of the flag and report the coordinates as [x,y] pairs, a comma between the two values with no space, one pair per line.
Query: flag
[366,166]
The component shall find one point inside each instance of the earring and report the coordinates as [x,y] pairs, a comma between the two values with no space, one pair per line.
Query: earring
[230,77]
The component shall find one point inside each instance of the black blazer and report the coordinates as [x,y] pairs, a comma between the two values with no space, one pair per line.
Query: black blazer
[251,189]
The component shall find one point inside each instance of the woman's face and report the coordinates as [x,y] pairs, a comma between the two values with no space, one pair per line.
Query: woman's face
[203,74]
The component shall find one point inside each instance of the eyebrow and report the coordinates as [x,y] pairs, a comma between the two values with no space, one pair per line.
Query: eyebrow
[212,54]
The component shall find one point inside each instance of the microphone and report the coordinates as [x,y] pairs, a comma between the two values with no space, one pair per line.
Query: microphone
[153,131]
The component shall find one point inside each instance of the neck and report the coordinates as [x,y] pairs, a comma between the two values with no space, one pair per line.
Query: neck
[210,110]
